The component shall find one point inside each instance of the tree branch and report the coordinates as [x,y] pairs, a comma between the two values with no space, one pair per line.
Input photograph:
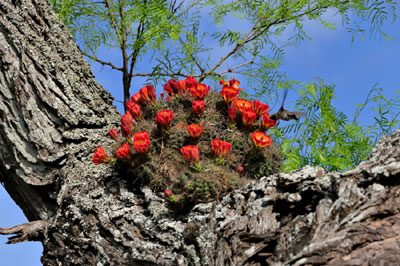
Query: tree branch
[232,70]
[162,74]
[100,61]
[188,8]
[255,33]
[33,231]
[193,58]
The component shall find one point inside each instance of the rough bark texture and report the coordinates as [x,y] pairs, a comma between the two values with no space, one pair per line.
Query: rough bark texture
[51,109]
[53,115]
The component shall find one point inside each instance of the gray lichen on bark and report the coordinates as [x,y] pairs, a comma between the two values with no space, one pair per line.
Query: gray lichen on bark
[306,217]
[51,109]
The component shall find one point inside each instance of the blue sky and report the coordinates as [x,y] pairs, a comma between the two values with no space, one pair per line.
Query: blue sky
[354,69]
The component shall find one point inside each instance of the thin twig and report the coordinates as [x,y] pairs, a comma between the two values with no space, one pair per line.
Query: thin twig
[112,17]
[163,74]
[188,8]
[255,33]
[101,61]
[192,56]
[232,70]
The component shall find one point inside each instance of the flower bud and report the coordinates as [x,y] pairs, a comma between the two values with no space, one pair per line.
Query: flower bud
[198,108]
[100,156]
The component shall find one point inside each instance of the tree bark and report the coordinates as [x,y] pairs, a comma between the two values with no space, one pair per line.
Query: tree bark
[53,115]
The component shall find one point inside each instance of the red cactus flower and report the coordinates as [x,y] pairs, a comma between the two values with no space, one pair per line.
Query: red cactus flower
[140,135]
[229,94]
[232,114]
[100,156]
[164,119]
[200,91]
[124,152]
[168,89]
[127,119]
[220,148]
[142,145]
[127,124]
[260,108]
[190,153]
[136,98]
[267,122]
[198,107]
[171,87]
[114,134]
[233,83]
[240,169]
[248,117]
[168,193]
[183,89]
[134,109]
[191,82]
[195,130]
[148,94]
[126,130]
[260,139]
[223,83]
[242,104]
[174,85]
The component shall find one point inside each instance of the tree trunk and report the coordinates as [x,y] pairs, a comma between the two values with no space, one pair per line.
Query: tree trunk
[53,115]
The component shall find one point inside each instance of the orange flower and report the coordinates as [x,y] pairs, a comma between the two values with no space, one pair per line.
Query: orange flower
[199,91]
[267,122]
[183,89]
[100,156]
[242,104]
[190,153]
[260,139]
[223,83]
[134,109]
[229,94]
[142,145]
[148,94]
[233,83]
[248,117]
[195,130]
[164,119]
[136,98]
[220,148]
[232,114]
[140,135]
[124,152]
[260,108]
[198,107]
[114,134]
